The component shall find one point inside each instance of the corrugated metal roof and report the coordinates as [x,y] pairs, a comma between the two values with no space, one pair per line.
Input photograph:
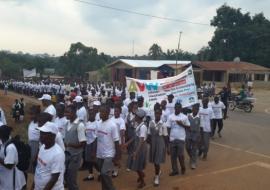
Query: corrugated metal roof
[148,63]
[229,65]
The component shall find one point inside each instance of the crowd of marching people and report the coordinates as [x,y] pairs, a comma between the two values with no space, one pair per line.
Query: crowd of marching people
[97,124]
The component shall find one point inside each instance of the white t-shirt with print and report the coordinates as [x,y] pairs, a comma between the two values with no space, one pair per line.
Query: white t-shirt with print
[33,132]
[50,161]
[177,132]
[91,131]
[206,114]
[217,109]
[61,124]
[107,135]
[120,124]
[6,175]
[82,114]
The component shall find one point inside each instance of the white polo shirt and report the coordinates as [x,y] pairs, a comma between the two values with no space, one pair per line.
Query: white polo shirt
[50,161]
[206,114]
[107,135]
[178,132]
[217,109]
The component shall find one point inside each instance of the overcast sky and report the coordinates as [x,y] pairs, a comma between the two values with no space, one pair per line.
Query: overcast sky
[50,26]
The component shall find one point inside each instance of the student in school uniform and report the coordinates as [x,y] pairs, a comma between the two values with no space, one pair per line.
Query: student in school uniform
[16,110]
[193,135]
[158,138]
[121,129]
[130,132]
[206,115]
[50,168]
[177,124]
[10,176]
[108,149]
[217,107]
[91,145]
[49,107]
[33,136]
[140,147]
[165,112]
[75,141]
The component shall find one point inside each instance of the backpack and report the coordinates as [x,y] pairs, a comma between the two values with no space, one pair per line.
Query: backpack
[24,153]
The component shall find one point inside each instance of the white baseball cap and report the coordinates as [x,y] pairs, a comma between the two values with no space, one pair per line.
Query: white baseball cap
[45,97]
[96,103]
[49,127]
[78,99]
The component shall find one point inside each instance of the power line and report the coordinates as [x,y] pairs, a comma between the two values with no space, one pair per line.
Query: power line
[141,14]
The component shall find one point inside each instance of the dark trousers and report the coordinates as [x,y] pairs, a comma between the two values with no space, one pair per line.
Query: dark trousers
[105,166]
[72,163]
[91,165]
[177,152]
[225,111]
[219,123]
[192,145]
[204,144]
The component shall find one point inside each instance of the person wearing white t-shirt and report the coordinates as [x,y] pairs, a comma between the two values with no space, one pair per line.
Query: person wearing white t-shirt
[47,103]
[91,145]
[61,121]
[206,115]
[81,111]
[121,129]
[50,168]
[108,149]
[170,104]
[33,135]
[2,117]
[165,112]
[217,107]
[75,141]
[8,161]
[177,124]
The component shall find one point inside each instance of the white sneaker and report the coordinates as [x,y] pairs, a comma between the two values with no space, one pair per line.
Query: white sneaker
[156,181]
[115,173]
[128,170]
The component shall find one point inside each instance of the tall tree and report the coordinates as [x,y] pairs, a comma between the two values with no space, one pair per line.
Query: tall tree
[155,52]
[238,34]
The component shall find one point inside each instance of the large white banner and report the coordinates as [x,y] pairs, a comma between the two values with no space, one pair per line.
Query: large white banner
[182,86]
[29,73]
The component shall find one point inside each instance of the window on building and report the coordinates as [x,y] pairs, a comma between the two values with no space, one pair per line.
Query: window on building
[144,74]
[237,77]
[259,77]
[217,76]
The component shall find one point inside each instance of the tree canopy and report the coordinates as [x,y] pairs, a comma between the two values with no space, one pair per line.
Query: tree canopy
[238,34]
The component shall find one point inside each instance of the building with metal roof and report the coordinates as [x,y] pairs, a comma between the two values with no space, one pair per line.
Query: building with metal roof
[137,68]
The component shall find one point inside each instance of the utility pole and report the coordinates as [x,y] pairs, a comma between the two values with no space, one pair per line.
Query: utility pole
[133,48]
[176,68]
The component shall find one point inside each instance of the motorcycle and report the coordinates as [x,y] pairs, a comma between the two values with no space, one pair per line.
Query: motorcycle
[246,104]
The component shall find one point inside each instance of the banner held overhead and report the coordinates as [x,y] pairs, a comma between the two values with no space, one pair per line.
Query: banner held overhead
[182,86]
